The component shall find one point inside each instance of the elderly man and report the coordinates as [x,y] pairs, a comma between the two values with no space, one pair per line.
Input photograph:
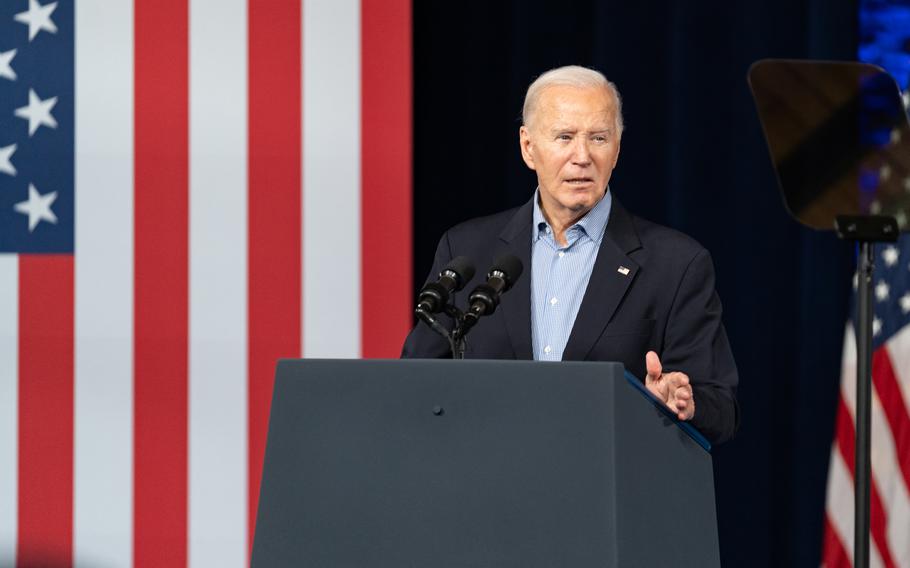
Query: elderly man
[604,285]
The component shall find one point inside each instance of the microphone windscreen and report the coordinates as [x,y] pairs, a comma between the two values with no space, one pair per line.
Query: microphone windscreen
[463,267]
[510,266]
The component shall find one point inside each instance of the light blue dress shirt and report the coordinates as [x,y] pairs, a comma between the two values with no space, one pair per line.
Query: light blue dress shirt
[559,276]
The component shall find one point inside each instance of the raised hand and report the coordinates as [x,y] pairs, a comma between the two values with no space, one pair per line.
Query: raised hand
[672,388]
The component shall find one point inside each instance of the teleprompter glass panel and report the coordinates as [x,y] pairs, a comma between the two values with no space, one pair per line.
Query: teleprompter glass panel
[838,136]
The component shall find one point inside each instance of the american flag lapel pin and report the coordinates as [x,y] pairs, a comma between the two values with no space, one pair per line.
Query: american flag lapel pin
[623,270]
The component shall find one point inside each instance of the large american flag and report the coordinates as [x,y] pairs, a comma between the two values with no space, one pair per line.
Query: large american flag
[189,190]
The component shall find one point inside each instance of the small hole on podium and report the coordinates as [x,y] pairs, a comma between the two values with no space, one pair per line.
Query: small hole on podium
[438,410]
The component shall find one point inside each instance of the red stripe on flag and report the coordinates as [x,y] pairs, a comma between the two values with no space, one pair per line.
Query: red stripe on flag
[386,176]
[45,411]
[889,393]
[274,211]
[161,282]
[834,555]
[878,519]
[844,435]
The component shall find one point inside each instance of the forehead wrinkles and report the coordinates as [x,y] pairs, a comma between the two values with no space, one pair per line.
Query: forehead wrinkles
[567,108]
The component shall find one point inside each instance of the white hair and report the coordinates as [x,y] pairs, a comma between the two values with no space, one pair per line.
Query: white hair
[571,76]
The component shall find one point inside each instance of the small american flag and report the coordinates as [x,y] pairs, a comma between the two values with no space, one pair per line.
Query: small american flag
[890,491]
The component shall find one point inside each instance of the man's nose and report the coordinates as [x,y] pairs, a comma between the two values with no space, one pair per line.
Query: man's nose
[580,153]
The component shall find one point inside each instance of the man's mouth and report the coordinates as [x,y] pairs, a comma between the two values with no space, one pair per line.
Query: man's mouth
[579,180]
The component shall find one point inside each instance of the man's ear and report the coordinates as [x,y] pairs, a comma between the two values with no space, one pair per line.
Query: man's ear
[524,140]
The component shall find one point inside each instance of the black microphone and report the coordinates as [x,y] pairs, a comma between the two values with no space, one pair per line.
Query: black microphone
[485,297]
[434,296]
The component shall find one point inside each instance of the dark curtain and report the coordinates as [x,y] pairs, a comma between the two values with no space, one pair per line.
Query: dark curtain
[693,158]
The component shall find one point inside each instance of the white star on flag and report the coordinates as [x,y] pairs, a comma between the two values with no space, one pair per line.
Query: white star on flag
[890,255]
[905,303]
[6,166]
[6,57]
[38,207]
[38,112]
[38,18]
[881,291]
[876,326]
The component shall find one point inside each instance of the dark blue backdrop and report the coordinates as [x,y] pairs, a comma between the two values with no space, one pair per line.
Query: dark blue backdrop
[692,158]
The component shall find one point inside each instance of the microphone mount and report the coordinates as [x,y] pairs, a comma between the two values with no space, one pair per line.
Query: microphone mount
[455,336]
[482,301]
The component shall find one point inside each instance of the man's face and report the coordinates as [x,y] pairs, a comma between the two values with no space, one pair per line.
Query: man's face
[572,143]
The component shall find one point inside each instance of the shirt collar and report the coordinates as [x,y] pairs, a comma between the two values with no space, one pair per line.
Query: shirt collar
[594,223]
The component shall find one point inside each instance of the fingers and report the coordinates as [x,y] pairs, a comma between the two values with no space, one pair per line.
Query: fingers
[680,398]
[652,363]
[683,408]
[657,388]
[677,380]
[687,411]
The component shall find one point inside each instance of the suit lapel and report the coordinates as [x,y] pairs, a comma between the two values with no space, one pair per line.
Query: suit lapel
[515,239]
[611,277]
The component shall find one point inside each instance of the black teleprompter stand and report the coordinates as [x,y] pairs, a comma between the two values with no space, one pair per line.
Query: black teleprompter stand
[865,230]
[831,127]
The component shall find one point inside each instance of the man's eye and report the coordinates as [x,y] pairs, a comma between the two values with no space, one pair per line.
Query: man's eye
[600,139]
[564,137]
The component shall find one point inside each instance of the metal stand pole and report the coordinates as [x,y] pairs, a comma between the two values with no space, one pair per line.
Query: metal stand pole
[862,465]
[865,230]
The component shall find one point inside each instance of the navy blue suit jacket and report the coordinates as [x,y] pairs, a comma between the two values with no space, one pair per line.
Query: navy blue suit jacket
[666,303]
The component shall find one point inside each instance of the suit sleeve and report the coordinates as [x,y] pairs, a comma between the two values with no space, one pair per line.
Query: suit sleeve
[695,343]
[423,342]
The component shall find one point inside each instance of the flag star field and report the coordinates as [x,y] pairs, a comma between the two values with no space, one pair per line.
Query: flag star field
[36,128]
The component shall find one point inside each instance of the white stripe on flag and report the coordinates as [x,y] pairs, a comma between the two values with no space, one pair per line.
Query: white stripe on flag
[331,178]
[899,350]
[890,482]
[9,403]
[103,382]
[848,373]
[840,500]
[840,507]
[875,558]
[218,284]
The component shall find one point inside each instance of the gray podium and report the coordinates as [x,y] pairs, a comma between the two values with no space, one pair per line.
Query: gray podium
[478,464]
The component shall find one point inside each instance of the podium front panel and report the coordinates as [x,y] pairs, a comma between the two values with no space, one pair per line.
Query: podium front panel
[453,463]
